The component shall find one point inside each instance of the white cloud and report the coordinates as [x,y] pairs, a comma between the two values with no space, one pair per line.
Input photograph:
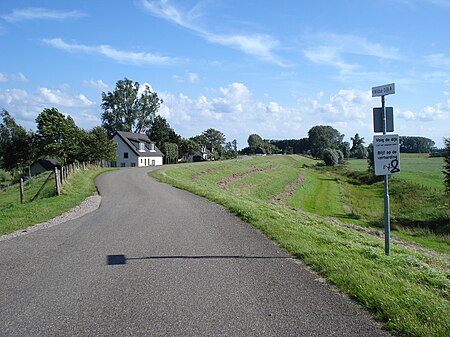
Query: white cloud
[63,99]
[193,77]
[260,45]
[33,13]
[96,85]
[121,56]
[188,77]
[438,112]
[19,77]
[438,61]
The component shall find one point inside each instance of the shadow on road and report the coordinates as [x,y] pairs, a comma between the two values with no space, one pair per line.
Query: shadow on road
[122,259]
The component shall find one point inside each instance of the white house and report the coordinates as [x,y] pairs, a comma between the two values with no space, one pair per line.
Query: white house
[136,150]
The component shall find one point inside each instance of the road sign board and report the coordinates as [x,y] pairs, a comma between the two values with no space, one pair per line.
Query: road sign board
[378,119]
[383,90]
[386,154]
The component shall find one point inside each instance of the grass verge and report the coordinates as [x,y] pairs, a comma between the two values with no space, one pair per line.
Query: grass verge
[408,291]
[15,216]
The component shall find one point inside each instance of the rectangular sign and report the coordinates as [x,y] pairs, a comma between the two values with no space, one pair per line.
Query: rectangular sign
[386,154]
[378,119]
[383,90]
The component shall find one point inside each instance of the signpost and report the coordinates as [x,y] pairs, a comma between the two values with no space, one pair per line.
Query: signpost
[386,151]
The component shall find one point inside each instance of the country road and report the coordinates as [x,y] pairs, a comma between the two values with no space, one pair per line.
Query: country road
[157,261]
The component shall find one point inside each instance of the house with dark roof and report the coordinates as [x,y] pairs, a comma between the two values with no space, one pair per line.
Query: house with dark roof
[136,150]
[260,151]
[43,165]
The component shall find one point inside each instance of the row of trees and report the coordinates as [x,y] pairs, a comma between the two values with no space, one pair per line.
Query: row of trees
[56,136]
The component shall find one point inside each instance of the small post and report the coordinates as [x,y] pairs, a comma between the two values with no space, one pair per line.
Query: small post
[58,187]
[21,190]
[387,215]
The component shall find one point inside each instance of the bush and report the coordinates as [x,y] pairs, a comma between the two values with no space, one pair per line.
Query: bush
[330,157]
[359,152]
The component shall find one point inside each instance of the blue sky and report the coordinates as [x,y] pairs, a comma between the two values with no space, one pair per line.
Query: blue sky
[275,68]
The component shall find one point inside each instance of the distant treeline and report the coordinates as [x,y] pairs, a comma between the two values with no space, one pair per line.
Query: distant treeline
[292,146]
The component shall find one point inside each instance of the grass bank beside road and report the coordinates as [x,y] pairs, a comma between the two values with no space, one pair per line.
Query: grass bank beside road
[408,291]
[15,216]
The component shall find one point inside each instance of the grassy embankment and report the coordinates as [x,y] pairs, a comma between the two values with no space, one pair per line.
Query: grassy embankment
[408,291]
[15,216]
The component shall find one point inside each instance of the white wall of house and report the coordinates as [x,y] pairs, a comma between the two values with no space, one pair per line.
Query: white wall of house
[133,160]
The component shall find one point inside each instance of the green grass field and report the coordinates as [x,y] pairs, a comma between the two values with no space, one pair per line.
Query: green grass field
[15,216]
[408,291]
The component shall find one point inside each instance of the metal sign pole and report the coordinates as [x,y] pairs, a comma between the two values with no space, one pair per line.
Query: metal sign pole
[387,216]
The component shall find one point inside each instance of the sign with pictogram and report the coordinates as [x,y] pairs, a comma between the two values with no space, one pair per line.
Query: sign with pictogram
[386,153]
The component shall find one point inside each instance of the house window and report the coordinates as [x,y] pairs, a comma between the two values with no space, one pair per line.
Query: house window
[152,147]
[125,154]
[133,164]
[122,164]
[153,163]
[141,160]
[141,147]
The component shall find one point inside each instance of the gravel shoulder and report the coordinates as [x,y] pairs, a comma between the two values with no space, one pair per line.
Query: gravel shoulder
[87,206]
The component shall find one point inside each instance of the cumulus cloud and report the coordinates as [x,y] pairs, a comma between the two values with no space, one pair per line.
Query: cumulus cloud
[120,56]
[438,112]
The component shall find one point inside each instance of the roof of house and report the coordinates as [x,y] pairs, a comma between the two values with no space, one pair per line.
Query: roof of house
[133,140]
[48,164]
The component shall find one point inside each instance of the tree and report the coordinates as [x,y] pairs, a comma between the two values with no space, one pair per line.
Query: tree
[17,149]
[97,146]
[58,136]
[322,137]
[254,141]
[217,141]
[416,144]
[447,165]
[171,152]
[356,141]
[230,150]
[187,147]
[160,132]
[130,107]
[359,151]
[331,157]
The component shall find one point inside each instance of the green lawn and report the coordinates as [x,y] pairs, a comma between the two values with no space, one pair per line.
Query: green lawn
[408,291]
[15,216]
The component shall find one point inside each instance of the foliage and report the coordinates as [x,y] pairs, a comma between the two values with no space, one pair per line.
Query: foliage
[416,144]
[292,146]
[322,137]
[97,146]
[16,144]
[58,136]
[171,152]
[130,107]
[230,150]
[254,141]
[359,152]
[345,149]
[356,141]
[447,165]
[330,157]
[187,147]
[215,138]
[160,132]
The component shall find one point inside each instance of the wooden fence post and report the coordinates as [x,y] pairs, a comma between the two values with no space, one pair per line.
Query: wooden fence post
[58,188]
[21,190]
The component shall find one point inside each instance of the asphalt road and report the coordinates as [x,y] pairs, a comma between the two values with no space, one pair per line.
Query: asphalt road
[157,261]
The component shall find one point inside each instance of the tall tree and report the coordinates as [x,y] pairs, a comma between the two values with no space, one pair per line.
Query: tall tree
[160,132]
[447,165]
[357,140]
[416,144]
[322,137]
[17,148]
[187,147]
[130,107]
[58,136]
[171,152]
[254,141]
[97,146]
[215,137]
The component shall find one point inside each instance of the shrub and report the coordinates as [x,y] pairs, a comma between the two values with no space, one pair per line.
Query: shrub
[330,157]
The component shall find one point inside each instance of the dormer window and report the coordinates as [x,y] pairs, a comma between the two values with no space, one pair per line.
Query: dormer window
[141,147]
[152,147]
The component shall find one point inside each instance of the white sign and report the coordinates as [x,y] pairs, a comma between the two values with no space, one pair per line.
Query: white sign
[386,154]
[383,90]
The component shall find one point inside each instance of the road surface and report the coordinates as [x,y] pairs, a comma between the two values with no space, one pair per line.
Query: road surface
[157,261]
